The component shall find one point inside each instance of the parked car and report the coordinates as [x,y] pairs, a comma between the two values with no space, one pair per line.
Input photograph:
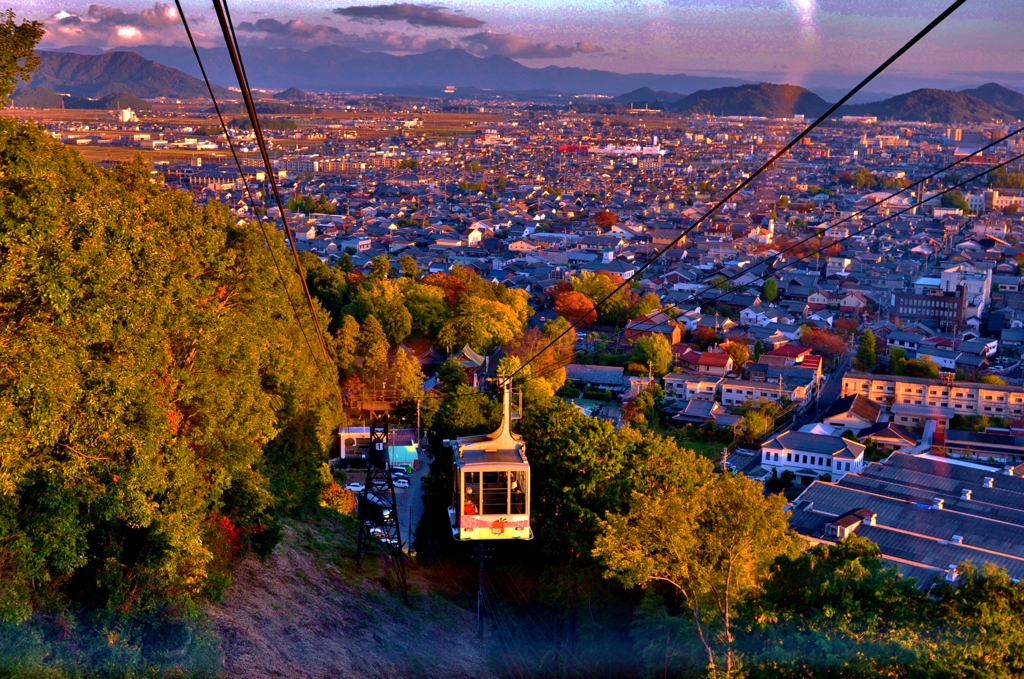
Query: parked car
[401,483]
[354,487]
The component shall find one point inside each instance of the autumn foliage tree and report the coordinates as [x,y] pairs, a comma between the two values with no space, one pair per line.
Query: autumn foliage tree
[822,342]
[576,307]
[606,219]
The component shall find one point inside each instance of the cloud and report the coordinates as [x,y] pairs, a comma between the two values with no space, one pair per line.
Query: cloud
[433,16]
[111,26]
[489,44]
[298,33]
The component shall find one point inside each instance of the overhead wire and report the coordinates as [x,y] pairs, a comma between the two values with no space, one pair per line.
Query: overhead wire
[899,213]
[771,161]
[248,191]
[227,29]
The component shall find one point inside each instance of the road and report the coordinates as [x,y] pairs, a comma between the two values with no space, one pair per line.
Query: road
[832,391]
[410,501]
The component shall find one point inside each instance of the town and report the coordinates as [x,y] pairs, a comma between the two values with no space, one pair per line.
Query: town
[840,332]
[511,340]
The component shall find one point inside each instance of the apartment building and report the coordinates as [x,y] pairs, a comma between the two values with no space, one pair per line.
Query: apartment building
[682,387]
[959,398]
[737,392]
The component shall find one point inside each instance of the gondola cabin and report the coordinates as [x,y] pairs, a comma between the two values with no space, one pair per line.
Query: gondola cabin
[491,496]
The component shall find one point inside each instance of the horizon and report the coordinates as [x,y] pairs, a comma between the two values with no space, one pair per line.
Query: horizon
[810,43]
[825,90]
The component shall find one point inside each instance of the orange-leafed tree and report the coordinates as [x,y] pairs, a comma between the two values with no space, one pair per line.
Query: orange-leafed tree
[822,342]
[453,287]
[575,306]
[606,219]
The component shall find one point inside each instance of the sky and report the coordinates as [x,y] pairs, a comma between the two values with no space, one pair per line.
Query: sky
[804,42]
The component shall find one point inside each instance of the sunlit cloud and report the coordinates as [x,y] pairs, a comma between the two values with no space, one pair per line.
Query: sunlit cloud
[104,26]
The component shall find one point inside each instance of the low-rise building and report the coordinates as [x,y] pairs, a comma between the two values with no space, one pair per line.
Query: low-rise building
[812,456]
[683,387]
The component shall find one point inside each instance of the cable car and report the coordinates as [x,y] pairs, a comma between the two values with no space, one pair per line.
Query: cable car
[491,496]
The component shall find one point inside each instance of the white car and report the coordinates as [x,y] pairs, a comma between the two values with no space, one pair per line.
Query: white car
[401,483]
[354,487]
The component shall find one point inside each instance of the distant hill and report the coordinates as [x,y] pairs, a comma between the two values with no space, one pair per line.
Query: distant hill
[40,97]
[292,94]
[1002,98]
[766,99]
[336,68]
[930,106]
[645,95]
[37,97]
[84,75]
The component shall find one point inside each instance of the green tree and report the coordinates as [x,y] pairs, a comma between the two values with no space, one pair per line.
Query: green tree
[373,347]
[756,424]
[346,345]
[380,268]
[384,299]
[758,350]
[17,56]
[405,376]
[865,359]
[955,199]
[770,290]
[921,367]
[648,303]
[329,285]
[834,610]
[712,541]
[992,379]
[147,452]
[409,267]
[428,309]
[451,375]
[654,351]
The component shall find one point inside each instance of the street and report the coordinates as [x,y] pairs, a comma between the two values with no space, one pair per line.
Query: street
[829,394]
[410,502]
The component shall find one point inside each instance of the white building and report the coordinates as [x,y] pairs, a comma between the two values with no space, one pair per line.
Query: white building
[682,387]
[812,456]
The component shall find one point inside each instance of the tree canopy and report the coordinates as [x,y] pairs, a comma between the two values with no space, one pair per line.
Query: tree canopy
[173,384]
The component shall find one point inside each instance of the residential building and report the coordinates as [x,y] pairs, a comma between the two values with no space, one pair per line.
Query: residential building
[812,456]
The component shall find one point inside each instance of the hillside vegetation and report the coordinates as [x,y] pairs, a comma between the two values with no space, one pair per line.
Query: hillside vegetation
[766,99]
[931,106]
[85,75]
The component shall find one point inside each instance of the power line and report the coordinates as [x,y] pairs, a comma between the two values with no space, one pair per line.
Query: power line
[248,191]
[743,184]
[873,225]
[853,215]
[236,61]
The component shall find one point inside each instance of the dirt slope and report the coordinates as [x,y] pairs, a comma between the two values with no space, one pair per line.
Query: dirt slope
[306,613]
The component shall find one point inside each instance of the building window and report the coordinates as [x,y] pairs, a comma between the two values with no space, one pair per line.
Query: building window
[805,459]
[789,457]
[847,466]
[828,461]
[776,457]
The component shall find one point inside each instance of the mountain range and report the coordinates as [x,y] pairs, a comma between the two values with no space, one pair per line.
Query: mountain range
[344,69]
[347,69]
[98,75]
[987,102]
